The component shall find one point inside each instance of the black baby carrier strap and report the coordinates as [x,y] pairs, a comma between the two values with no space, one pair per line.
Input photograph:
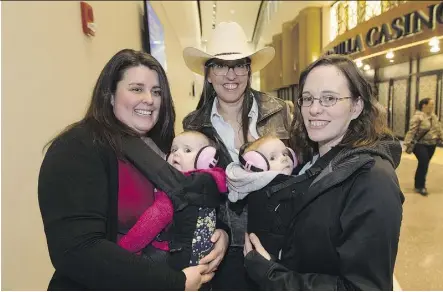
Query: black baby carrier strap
[182,190]
[310,173]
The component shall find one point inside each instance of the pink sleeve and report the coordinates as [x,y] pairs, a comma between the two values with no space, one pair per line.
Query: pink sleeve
[149,225]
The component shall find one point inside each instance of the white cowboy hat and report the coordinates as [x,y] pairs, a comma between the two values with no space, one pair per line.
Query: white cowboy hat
[228,42]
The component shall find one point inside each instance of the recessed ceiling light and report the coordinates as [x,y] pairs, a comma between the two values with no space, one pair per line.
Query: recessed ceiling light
[366,67]
[358,63]
[391,61]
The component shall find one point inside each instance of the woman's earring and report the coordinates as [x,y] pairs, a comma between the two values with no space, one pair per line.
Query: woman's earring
[112,100]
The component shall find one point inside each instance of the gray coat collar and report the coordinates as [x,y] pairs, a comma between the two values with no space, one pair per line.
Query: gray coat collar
[347,162]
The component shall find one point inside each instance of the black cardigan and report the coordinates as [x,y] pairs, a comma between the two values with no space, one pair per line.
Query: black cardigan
[78,194]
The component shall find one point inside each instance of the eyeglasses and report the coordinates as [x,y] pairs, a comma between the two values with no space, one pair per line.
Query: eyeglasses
[324,100]
[222,70]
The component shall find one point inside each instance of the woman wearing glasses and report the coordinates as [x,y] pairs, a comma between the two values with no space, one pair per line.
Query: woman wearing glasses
[232,113]
[348,208]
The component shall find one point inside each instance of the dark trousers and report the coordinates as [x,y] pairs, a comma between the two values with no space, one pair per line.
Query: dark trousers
[231,274]
[424,154]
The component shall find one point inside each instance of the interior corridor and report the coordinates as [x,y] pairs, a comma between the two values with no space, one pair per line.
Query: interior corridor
[50,65]
[419,263]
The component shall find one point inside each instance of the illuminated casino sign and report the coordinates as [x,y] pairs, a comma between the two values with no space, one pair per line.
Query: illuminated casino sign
[400,27]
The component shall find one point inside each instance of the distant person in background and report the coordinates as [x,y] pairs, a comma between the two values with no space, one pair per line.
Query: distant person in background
[425,132]
[231,113]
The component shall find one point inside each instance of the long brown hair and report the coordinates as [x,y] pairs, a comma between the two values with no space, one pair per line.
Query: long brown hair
[208,95]
[100,115]
[367,129]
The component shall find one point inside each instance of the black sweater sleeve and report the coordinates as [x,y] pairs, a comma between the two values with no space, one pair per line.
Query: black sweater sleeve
[370,224]
[73,193]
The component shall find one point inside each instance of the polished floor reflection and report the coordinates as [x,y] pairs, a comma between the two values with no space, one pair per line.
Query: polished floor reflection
[420,257]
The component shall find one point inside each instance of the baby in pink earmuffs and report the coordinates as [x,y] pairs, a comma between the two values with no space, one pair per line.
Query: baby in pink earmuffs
[264,165]
[187,239]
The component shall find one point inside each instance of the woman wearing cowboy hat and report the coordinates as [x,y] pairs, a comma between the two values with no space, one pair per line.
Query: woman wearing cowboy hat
[232,113]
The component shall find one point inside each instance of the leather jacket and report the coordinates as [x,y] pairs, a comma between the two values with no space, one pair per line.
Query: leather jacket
[273,117]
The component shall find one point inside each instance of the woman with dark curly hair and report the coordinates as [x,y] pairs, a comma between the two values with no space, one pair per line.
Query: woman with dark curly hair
[347,202]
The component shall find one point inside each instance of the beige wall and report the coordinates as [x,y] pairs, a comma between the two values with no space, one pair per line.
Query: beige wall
[48,70]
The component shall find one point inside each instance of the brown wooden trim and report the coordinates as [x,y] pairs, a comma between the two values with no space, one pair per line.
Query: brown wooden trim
[440,96]
[408,97]
[417,82]
[437,95]
[390,105]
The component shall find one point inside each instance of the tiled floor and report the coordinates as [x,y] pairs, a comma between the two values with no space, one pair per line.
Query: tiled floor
[420,257]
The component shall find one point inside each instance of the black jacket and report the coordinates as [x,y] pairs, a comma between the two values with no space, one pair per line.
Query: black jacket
[345,228]
[270,213]
[77,191]
[182,232]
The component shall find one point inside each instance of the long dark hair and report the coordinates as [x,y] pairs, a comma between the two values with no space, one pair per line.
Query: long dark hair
[368,128]
[106,127]
[208,95]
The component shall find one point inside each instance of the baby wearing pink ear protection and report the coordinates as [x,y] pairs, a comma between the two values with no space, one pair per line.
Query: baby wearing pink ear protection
[188,239]
[264,164]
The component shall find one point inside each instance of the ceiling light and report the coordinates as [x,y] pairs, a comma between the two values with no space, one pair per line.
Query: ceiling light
[214,9]
[390,55]
[391,61]
[433,42]
[358,63]
[435,49]
[366,67]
